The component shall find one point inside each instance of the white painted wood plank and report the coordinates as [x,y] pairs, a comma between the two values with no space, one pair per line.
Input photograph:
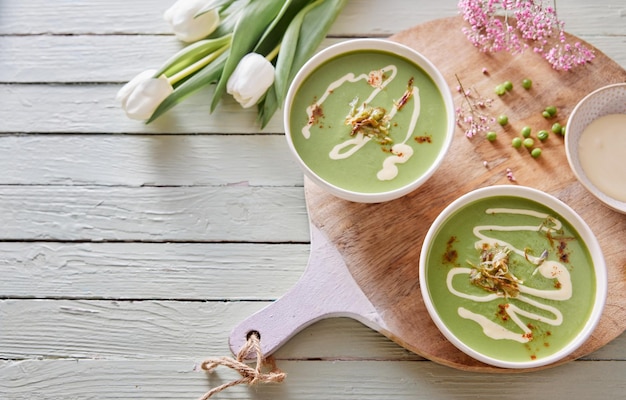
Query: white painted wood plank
[612,46]
[166,329]
[161,214]
[362,17]
[87,329]
[93,109]
[146,160]
[185,271]
[145,16]
[119,58]
[27,59]
[344,380]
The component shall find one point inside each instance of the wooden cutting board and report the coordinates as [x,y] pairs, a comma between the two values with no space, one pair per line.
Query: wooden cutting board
[364,257]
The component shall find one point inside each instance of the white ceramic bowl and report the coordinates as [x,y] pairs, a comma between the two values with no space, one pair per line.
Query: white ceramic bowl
[374,45]
[606,100]
[440,290]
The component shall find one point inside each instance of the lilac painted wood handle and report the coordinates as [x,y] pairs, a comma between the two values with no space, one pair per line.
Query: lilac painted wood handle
[326,289]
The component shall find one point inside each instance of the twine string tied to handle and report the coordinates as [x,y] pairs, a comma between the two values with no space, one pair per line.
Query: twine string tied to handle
[250,375]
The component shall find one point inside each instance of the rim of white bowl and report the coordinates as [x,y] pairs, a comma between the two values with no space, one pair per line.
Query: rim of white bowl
[585,233]
[571,152]
[393,48]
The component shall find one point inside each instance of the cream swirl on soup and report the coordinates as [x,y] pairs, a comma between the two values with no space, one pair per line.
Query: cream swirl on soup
[549,269]
[381,120]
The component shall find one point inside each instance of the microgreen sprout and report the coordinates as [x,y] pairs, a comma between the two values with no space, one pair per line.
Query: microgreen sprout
[493,274]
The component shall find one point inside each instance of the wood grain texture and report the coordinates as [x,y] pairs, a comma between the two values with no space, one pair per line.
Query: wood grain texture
[390,278]
[153,214]
[136,271]
[148,160]
[93,110]
[145,17]
[359,18]
[337,380]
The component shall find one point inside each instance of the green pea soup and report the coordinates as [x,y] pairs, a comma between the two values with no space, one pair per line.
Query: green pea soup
[456,247]
[328,128]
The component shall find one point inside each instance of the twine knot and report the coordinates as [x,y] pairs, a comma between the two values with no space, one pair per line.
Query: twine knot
[250,375]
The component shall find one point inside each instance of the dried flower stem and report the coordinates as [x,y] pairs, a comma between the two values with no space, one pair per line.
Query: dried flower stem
[470,115]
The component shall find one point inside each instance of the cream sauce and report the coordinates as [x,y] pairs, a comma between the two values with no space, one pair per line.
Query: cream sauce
[602,151]
[401,152]
[547,268]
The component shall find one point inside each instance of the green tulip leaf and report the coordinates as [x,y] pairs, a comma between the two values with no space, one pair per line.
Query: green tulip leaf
[274,33]
[191,54]
[303,36]
[250,27]
[229,18]
[267,107]
[206,76]
[221,4]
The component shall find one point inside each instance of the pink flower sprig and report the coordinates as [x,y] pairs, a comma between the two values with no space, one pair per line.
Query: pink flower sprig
[471,115]
[534,25]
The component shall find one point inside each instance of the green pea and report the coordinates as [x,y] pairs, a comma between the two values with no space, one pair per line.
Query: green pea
[528,143]
[563,130]
[508,86]
[527,83]
[542,135]
[526,131]
[545,114]
[536,152]
[500,90]
[503,119]
[551,110]
[491,136]
[516,142]
[557,128]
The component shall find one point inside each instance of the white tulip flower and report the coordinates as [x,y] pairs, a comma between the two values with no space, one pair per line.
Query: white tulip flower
[187,25]
[252,77]
[143,94]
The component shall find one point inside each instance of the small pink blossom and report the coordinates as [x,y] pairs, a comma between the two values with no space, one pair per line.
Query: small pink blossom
[510,176]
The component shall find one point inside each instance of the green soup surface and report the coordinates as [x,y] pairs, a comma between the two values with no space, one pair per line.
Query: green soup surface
[403,133]
[537,299]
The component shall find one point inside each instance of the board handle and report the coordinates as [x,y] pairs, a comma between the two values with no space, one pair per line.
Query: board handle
[325,290]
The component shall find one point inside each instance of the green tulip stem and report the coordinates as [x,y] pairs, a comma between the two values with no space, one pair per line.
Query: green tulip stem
[201,63]
[272,54]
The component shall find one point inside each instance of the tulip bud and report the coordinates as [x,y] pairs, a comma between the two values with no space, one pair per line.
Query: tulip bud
[143,94]
[250,80]
[186,24]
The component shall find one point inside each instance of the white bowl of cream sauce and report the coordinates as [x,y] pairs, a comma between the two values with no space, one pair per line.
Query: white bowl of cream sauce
[595,144]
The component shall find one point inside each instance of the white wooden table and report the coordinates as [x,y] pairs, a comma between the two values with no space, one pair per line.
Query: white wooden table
[129,252]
